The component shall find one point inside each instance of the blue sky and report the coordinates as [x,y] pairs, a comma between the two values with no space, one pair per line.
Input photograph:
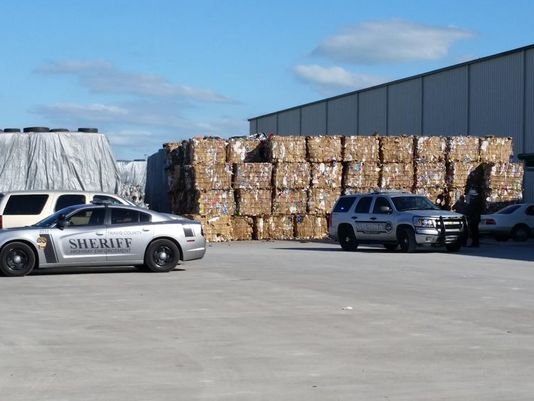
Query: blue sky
[150,72]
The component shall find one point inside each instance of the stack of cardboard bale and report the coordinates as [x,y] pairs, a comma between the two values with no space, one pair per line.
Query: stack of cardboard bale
[251,184]
[203,186]
[397,169]
[291,179]
[463,155]
[361,159]
[430,166]
[285,187]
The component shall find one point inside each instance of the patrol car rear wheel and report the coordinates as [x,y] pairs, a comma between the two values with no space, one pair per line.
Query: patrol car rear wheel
[17,259]
[347,239]
[406,237]
[162,256]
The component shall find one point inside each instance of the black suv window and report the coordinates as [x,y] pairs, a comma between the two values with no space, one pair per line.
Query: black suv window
[364,204]
[25,204]
[69,200]
[344,204]
[530,211]
[379,202]
[104,198]
[124,216]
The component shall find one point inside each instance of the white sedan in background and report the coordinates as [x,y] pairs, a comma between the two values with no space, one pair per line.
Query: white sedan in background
[513,221]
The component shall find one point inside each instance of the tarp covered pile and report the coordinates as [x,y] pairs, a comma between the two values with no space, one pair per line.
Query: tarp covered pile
[57,161]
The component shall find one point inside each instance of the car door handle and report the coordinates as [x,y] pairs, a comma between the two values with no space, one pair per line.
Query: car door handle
[354,217]
[99,233]
[146,229]
[373,218]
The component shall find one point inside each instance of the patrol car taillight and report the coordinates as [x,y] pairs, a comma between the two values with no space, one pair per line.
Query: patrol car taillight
[1,222]
[490,221]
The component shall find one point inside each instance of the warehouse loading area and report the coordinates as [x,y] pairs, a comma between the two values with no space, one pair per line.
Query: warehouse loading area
[277,320]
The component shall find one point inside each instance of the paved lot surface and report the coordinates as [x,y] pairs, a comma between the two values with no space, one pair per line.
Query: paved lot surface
[277,321]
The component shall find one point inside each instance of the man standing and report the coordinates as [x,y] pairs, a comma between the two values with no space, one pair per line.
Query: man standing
[473,212]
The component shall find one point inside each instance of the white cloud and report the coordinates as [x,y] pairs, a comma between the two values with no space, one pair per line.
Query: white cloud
[391,41]
[103,77]
[335,78]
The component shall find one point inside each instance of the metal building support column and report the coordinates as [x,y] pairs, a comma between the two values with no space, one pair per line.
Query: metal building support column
[387,110]
[300,121]
[468,95]
[422,106]
[326,117]
[524,102]
[358,113]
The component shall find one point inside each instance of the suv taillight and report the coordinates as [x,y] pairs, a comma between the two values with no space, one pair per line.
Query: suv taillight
[1,222]
[329,221]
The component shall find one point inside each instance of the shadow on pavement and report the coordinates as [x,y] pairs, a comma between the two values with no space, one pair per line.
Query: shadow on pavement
[91,270]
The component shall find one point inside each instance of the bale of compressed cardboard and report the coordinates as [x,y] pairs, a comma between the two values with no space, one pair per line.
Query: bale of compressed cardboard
[274,227]
[245,150]
[430,174]
[311,227]
[204,177]
[291,175]
[459,172]
[242,228]
[361,175]
[253,176]
[430,149]
[324,148]
[505,176]
[321,201]
[397,149]
[291,149]
[289,201]
[216,228]
[496,149]
[361,149]
[463,149]
[397,176]
[205,150]
[326,175]
[358,190]
[253,202]
[497,198]
[211,203]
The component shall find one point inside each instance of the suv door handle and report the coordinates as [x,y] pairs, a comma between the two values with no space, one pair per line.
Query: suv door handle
[354,217]
[373,218]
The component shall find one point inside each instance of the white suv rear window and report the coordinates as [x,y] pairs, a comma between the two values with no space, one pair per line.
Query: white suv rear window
[25,204]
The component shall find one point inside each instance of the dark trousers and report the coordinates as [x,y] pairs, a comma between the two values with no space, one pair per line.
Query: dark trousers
[473,231]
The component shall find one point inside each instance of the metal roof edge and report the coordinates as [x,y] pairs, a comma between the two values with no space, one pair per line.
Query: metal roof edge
[424,74]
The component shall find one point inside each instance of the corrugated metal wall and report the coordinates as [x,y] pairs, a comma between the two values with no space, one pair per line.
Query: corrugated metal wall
[342,115]
[372,111]
[404,107]
[445,102]
[494,96]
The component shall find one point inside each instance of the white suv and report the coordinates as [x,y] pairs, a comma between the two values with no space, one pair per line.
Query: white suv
[24,208]
[394,219]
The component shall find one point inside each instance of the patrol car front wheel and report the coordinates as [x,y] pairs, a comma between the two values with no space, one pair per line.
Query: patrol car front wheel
[406,238]
[162,256]
[17,259]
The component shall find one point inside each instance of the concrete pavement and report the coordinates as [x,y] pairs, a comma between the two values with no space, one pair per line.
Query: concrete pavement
[277,321]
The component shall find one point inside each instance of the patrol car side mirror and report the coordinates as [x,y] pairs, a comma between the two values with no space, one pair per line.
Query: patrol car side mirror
[61,222]
[385,209]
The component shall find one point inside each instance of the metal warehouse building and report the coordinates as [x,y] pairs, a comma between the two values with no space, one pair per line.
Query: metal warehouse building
[489,96]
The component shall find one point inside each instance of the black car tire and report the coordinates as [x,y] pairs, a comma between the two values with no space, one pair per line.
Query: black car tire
[521,233]
[17,259]
[162,256]
[406,238]
[347,239]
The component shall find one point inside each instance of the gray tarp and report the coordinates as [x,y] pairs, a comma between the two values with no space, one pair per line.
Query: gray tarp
[133,179]
[157,186]
[57,161]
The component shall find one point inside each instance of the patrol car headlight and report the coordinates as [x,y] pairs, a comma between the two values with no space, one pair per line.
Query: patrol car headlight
[424,222]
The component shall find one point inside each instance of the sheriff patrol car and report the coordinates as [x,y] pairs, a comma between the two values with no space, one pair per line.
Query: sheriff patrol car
[102,235]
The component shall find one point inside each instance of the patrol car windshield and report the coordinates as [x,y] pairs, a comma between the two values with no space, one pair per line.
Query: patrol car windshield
[404,203]
[52,219]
